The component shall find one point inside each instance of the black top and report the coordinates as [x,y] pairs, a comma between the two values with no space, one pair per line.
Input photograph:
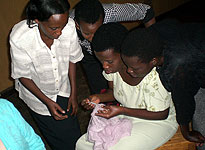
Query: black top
[183,71]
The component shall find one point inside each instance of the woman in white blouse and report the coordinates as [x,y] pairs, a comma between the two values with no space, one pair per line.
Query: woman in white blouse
[143,99]
[44,52]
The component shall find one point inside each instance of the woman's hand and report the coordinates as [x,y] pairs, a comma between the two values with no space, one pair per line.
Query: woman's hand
[195,136]
[72,102]
[56,111]
[192,136]
[89,103]
[109,111]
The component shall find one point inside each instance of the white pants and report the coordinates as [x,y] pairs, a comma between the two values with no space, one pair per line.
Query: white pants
[146,135]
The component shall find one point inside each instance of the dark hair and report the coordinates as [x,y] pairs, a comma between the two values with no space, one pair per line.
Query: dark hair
[108,36]
[144,43]
[44,9]
[89,11]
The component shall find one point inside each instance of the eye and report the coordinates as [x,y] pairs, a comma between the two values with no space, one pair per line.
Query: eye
[86,33]
[135,69]
[53,28]
[110,61]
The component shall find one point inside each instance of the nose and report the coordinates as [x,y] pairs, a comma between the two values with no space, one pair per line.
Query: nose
[129,70]
[105,65]
[58,32]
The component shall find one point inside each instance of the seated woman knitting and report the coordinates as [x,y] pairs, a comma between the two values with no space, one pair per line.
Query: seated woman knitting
[144,100]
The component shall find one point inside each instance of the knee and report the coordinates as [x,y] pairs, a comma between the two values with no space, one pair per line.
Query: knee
[77,146]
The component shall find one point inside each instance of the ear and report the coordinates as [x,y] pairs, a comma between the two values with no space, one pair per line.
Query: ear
[77,25]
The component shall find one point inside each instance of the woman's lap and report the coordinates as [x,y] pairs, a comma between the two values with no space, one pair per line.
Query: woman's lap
[145,135]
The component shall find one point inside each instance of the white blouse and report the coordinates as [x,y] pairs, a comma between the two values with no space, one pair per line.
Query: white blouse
[48,68]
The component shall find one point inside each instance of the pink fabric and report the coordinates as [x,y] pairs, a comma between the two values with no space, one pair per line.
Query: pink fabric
[105,133]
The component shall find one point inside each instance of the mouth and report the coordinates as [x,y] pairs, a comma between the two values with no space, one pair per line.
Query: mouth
[137,75]
[56,37]
[108,71]
[133,75]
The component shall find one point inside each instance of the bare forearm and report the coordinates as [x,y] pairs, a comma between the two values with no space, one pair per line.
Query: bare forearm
[72,77]
[150,22]
[32,87]
[144,114]
[107,96]
[184,129]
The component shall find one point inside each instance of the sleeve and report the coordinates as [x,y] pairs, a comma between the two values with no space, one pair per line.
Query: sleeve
[125,12]
[20,61]
[183,90]
[76,53]
[156,97]
[180,72]
[149,15]
[31,137]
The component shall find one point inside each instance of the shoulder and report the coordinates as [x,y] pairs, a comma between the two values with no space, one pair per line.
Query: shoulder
[5,104]
[153,83]
[152,79]
[70,24]
[69,29]
[111,76]
[181,52]
[21,35]
[20,31]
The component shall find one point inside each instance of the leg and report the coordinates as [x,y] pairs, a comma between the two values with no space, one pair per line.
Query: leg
[146,135]
[199,119]
[83,144]
[60,135]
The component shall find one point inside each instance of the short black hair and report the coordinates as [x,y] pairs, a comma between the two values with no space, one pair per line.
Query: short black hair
[89,11]
[44,9]
[144,43]
[109,36]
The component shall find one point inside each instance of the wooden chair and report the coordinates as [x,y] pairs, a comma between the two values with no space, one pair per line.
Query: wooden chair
[177,142]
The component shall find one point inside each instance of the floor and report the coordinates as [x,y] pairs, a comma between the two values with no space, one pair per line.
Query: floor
[189,12]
